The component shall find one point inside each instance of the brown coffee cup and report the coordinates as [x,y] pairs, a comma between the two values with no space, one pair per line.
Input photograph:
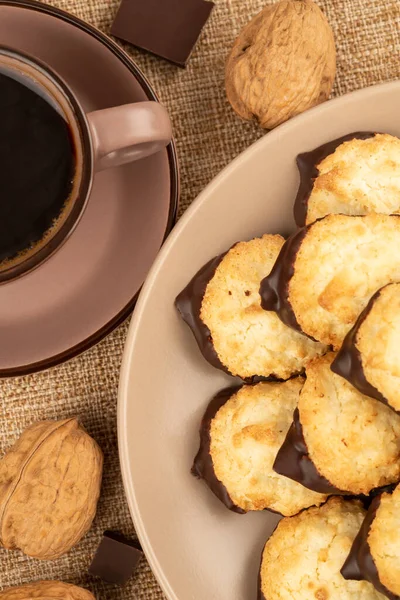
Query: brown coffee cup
[101,139]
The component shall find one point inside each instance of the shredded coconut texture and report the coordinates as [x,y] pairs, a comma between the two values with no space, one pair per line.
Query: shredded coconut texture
[246,435]
[341,263]
[360,177]
[353,440]
[303,557]
[250,341]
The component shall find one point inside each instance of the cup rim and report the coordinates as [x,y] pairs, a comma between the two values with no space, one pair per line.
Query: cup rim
[55,242]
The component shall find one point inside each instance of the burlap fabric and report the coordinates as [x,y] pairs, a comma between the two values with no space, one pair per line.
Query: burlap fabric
[208,136]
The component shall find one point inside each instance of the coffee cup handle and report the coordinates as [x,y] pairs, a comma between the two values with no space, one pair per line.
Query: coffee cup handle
[129,132]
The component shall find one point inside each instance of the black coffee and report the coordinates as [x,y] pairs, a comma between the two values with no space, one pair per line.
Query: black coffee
[37,164]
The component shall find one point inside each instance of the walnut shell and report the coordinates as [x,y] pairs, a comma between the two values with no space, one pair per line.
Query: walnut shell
[49,487]
[282,63]
[46,590]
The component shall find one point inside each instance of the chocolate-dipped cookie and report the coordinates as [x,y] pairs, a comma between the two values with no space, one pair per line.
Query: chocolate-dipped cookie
[240,435]
[327,272]
[354,175]
[303,557]
[341,441]
[369,357]
[375,553]
[222,307]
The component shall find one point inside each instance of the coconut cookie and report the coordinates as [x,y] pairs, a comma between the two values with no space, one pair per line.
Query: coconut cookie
[241,432]
[222,307]
[303,557]
[355,175]
[327,272]
[340,441]
[369,357]
[375,554]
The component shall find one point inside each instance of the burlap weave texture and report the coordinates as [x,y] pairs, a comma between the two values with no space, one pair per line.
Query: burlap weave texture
[208,136]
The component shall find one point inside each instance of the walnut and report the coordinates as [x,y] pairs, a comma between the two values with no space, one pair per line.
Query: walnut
[46,590]
[282,63]
[49,486]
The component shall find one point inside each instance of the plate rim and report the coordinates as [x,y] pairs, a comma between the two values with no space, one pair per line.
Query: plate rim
[146,290]
[95,338]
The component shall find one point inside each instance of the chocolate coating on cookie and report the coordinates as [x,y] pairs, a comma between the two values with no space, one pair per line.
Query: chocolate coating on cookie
[369,358]
[307,164]
[188,304]
[359,560]
[359,564]
[274,287]
[203,467]
[293,461]
[348,363]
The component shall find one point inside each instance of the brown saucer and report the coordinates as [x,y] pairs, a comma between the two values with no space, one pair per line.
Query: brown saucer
[90,285]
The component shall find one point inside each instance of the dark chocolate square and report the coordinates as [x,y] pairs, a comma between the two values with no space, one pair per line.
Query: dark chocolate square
[167,28]
[116,558]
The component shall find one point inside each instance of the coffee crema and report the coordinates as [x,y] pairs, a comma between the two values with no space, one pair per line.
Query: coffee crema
[37,165]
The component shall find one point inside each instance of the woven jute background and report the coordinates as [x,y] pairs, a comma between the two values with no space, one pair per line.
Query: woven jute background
[208,136]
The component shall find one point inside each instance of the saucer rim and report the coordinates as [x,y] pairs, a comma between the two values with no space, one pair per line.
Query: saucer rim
[95,338]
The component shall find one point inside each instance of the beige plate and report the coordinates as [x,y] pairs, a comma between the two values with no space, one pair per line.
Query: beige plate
[197,549]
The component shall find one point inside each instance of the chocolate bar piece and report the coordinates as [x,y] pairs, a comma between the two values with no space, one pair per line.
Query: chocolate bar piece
[116,558]
[167,28]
